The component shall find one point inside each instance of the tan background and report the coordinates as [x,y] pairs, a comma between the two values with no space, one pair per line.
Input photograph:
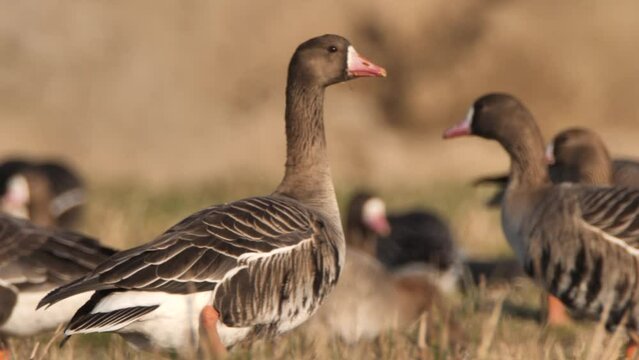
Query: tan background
[191,91]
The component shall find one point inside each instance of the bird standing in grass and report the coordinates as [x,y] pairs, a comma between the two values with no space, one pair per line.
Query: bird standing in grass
[253,267]
[581,242]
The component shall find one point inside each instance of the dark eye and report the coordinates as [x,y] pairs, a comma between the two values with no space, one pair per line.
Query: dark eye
[332,49]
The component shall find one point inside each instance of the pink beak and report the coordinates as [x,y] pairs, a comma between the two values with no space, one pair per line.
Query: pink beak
[461,129]
[359,66]
[380,225]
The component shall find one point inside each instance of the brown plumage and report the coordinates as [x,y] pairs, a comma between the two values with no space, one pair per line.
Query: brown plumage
[34,260]
[369,300]
[580,155]
[265,263]
[579,241]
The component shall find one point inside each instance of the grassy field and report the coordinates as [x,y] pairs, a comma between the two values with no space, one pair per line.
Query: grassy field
[491,322]
[150,100]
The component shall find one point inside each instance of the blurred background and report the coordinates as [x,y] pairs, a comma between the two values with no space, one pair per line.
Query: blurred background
[166,95]
[168,106]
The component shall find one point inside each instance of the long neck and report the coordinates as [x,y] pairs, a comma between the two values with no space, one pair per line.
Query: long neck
[308,176]
[528,167]
[358,235]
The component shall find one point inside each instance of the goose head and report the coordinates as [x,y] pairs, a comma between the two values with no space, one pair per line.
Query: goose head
[330,59]
[368,212]
[503,118]
[580,155]
[500,117]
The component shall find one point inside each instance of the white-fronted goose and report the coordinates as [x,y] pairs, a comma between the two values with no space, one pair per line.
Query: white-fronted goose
[33,261]
[416,237]
[576,155]
[369,300]
[579,241]
[580,155]
[48,193]
[264,264]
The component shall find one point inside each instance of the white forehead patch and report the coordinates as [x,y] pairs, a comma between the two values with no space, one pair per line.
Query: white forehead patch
[550,151]
[351,54]
[18,189]
[373,209]
[16,197]
[469,116]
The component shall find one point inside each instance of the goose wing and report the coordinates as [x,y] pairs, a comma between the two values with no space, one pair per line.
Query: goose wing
[31,255]
[612,210]
[197,253]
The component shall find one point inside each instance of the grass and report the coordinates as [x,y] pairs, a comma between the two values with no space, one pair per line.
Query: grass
[499,321]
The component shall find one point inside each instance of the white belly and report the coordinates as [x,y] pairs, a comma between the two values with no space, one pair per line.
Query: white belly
[174,325]
[25,320]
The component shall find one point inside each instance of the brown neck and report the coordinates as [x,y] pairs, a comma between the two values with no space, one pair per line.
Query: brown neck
[528,167]
[358,236]
[308,176]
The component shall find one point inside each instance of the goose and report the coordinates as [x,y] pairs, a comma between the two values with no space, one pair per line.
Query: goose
[580,155]
[580,242]
[369,300]
[253,267]
[577,155]
[48,193]
[33,261]
[412,238]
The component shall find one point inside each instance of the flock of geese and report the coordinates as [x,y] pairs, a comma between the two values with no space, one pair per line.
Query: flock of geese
[261,266]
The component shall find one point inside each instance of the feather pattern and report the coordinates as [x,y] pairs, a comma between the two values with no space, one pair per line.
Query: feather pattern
[265,263]
[615,211]
[585,253]
[34,260]
[33,256]
[236,250]
[578,240]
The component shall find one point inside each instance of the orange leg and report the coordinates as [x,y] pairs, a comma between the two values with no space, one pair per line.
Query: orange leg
[557,314]
[209,318]
[5,353]
[631,350]
[632,347]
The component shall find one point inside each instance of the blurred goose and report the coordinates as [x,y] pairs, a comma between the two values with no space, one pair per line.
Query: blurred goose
[258,266]
[415,238]
[580,155]
[33,261]
[369,301]
[579,241]
[47,193]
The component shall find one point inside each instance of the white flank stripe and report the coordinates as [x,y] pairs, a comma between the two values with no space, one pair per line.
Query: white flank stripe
[614,240]
[249,257]
[469,116]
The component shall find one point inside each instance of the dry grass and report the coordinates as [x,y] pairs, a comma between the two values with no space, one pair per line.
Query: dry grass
[498,322]
[183,101]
